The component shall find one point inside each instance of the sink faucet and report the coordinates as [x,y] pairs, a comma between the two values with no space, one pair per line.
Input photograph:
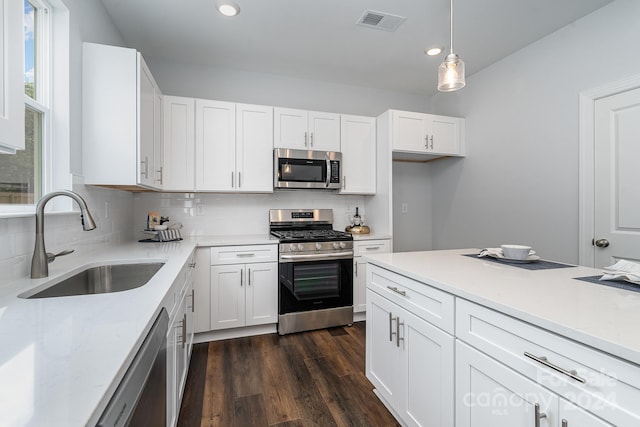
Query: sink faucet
[41,259]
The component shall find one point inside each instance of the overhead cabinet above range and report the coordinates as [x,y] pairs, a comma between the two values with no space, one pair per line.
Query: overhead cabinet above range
[306,130]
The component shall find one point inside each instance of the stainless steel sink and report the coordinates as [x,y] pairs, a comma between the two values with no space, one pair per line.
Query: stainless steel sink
[102,279]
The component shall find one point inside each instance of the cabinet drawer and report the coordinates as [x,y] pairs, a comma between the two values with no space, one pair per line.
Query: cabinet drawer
[603,384]
[369,247]
[430,304]
[243,254]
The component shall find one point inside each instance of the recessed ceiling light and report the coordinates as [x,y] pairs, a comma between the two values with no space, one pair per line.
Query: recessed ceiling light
[433,51]
[228,8]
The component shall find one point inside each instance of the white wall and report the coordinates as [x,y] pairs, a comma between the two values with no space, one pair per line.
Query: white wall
[519,181]
[88,21]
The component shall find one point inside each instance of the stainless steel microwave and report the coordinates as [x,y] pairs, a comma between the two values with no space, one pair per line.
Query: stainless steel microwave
[306,169]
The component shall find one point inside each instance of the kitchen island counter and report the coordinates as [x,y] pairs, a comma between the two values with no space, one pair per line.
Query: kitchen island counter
[600,316]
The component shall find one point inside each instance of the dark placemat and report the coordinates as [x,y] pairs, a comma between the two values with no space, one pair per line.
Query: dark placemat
[620,284]
[536,265]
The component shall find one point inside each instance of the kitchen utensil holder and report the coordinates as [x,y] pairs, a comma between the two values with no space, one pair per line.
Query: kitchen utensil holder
[169,235]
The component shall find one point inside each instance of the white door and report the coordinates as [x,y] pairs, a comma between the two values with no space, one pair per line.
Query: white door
[617,178]
[489,393]
[262,293]
[570,415]
[444,136]
[227,296]
[427,364]
[290,129]
[179,144]
[324,131]
[359,285]
[254,148]
[382,354]
[215,159]
[358,135]
[146,125]
[409,131]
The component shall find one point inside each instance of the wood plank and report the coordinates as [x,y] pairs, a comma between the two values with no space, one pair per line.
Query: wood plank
[244,368]
[361,390]
[279,397]
[217,407]
[193,397]
[292,423]
[330,349]
[249,411]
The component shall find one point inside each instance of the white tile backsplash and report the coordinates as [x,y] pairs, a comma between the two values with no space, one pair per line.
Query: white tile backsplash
[228,214]
[64,231]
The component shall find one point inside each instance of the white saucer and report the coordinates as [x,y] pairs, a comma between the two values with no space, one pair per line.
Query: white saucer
[530,258]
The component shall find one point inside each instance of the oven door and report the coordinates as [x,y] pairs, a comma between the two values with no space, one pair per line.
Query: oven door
[315,284]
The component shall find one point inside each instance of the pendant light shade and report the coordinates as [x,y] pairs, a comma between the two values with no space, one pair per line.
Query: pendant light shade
[451,71]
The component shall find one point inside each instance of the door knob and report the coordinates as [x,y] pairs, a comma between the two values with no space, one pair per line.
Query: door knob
[601,243]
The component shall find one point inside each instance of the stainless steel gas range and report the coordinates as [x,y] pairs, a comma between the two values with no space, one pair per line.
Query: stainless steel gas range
[315,270]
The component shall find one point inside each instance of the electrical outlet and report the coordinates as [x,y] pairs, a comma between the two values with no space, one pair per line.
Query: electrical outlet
[199,210]
[404,208]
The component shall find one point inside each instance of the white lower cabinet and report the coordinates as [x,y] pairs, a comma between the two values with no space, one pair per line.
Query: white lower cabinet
[505,366]
[360,248]
[244,294]
[179,340]
[410,363]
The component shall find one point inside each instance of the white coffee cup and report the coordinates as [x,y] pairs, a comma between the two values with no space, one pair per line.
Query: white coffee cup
[516,251]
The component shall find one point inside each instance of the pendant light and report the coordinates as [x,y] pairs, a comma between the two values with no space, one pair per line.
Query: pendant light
[451,71]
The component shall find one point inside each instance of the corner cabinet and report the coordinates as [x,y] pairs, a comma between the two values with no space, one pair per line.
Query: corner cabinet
[358,146]
[306,130]
[121,119]
[428,134]
[409,357]
[178,144]
[244,286]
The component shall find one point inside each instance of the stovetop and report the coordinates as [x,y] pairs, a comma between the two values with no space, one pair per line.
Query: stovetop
[310,235]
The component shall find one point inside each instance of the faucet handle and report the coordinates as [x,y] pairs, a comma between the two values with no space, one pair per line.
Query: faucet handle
[52,257]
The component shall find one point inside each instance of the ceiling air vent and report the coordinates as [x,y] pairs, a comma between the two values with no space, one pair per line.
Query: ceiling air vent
[381,20]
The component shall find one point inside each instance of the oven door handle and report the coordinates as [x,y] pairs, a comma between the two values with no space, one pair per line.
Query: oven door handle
[348,254]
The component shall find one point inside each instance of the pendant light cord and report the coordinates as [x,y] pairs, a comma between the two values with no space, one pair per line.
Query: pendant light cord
[451,27]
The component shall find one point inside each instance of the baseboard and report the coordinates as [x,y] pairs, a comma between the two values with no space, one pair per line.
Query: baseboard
[234,333]
[360,317]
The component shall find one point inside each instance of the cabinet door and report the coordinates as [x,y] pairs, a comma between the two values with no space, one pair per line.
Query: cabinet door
[254,148]
[172,347]
[158,139]
[324,131]
[426,396]
[359,285]
[572,416]
[409,131]
[382,354]
[491,394]
[190,311]
[146,125]
[290,129]
[262,293]
[181,350]
[445,132]
[358,145]
[227,296]
[215,160]
[202,291]
[11,79]
[179,144]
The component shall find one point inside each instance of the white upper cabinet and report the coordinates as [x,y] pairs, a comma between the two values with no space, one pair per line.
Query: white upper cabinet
[306,130]
[427,134]
[254,148]
[11,77]
[215,145]
[178,153]
[120,118]
[358,136]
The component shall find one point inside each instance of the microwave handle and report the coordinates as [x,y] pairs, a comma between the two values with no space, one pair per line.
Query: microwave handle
[328,170]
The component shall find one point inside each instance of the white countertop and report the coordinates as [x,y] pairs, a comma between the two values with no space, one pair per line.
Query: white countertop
[371,236]
[600,316]
[62,358]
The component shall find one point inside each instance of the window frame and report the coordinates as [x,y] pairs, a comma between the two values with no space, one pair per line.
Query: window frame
[53,102]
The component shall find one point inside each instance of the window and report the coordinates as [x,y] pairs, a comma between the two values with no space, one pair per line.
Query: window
[21,174]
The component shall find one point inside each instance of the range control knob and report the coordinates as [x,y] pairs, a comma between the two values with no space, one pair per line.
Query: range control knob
[335,245]
[292,248]
[300,246]
[343,245]
[318,246]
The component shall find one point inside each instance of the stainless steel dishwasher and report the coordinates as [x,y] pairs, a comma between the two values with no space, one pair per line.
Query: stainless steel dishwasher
[141,396]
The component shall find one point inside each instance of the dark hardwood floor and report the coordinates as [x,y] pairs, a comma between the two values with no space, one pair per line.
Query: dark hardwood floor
[307,379]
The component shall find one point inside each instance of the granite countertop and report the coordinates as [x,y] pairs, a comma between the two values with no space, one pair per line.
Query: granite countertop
[600,316]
